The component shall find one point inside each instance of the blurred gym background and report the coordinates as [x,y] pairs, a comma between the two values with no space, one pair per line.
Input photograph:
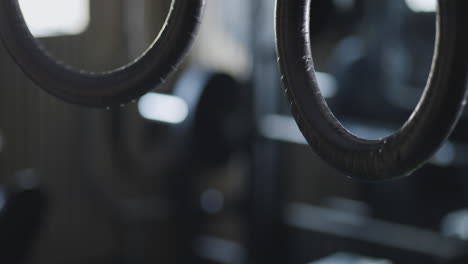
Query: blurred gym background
[210,167]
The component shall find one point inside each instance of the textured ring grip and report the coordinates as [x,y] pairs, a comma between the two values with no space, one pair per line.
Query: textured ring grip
[107,88]
[416,141]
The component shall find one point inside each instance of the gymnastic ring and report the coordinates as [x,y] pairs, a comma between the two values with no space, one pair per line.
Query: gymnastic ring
[416,141]
[104,88]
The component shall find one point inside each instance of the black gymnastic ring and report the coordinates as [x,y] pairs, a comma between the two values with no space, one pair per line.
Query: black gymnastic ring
[416,141]
[105,88]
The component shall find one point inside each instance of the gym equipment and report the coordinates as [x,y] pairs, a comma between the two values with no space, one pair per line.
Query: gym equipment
[212,135]
[391,157]
[199,139]
[339,230]
[106,88]
[210,217]
[401,153]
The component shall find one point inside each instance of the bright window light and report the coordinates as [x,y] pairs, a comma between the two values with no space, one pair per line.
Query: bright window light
[282,128]
[163,108]
[46,18]
[422,5]
[328,84]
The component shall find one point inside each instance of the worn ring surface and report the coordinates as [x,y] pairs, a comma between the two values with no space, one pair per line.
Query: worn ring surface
[416,141]
[104,88]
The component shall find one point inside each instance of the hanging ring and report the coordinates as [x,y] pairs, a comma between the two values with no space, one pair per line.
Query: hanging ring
[105,88]
[416,141]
